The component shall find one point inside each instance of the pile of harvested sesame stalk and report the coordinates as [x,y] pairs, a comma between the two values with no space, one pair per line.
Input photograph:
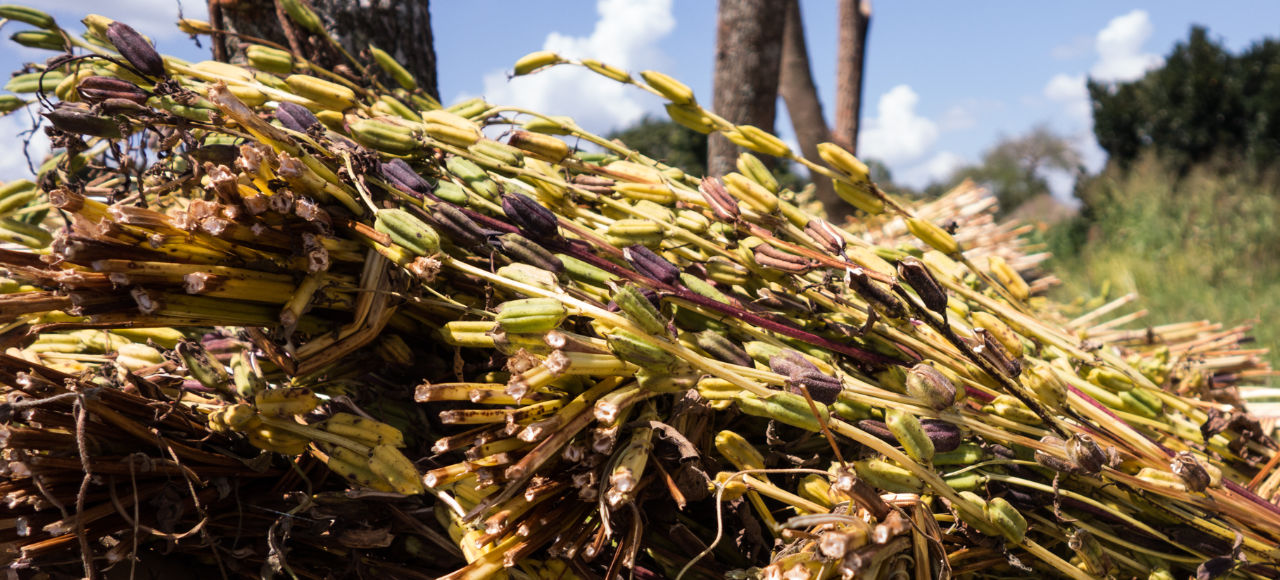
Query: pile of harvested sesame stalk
[265,319]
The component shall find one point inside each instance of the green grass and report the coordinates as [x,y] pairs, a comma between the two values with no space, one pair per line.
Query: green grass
[1205,246]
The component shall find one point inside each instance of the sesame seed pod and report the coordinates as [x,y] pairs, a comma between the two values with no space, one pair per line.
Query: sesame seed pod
[673,90]
[536,60]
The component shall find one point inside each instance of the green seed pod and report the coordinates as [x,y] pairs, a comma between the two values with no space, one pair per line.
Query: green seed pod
[640,352]
[638,309]
[906,428]
[887,476]
[531,315]
[1006,518]
[407,231]
[930,387]
[788,408]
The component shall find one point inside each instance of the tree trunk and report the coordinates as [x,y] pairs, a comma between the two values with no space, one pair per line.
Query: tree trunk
[748,53]
[795,83]
[400,27]
[855,18]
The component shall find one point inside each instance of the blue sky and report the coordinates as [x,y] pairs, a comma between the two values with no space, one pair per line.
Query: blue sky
[944,80]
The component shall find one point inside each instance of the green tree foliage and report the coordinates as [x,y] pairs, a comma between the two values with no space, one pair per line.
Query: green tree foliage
[1204,102]
[1014,169]
[677,146]
[667,142]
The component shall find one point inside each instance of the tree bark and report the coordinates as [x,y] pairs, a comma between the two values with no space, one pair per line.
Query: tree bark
[748,56]
[855,18]
[795,84]
[400,27]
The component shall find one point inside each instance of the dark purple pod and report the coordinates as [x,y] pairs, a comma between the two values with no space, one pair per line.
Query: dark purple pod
[97,89]
[135,49]
[401,175]
[945,436]
[646,262]
[530,216]
[295,117]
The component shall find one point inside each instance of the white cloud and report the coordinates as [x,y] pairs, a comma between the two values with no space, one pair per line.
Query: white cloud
[897,134]
[1119,46]
[13,165]
[155,18]
[626,35]
[937,168]
[1071,92]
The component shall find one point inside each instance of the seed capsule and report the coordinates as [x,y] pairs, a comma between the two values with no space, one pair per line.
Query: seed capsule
[906,428]
[930,386]
[674,91]
[522,249]
[1186,466]
[136,49]
[632,301]
[929,233]
[1006,518]
[542,146]
[1085,453]
[295,117]
[652,265]
[286,402]
[536,60]
[723,205]
[922,281]
[883,300]
[530,216]
[400,174]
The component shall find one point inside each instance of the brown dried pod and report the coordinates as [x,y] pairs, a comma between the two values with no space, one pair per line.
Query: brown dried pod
[994,352]
[1085,453]
[881,298]
[1192,472]
[926,286]
[81,122]
[1053,461]
[771,257]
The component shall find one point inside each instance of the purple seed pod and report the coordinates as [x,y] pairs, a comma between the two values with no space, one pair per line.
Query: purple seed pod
[296,117]
[457,226]
[401,175]
[879,429]
[722,203]
[944,435]
[652,265]
[135,49]
[98,89]
[530,216]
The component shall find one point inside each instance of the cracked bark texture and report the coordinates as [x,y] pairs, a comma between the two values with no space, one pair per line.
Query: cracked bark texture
[748,56]
[795,84]
[851,52]
[400,27]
